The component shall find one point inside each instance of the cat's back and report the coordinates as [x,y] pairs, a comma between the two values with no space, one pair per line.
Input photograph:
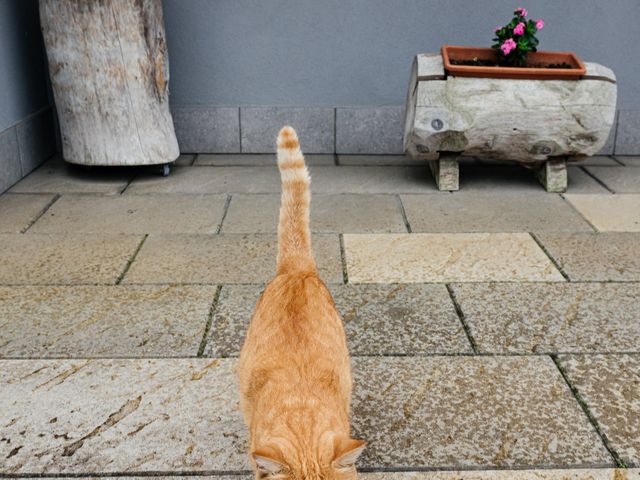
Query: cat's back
[296,313]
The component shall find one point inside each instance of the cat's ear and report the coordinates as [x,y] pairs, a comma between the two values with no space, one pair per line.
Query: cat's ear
[268,461]
[347,450]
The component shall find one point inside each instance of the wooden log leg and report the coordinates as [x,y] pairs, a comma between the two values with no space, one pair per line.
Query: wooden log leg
[553,175]
[446,172]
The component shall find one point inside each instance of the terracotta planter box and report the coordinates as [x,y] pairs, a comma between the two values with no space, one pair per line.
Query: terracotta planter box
[536,71]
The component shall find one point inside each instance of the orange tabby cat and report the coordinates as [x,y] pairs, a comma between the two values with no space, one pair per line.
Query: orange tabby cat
[295,378]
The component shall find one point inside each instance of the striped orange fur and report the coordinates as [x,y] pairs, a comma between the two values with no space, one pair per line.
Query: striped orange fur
[295,377]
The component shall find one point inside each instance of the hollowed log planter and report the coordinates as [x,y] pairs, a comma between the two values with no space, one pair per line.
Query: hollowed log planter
[110,76]
[539,123]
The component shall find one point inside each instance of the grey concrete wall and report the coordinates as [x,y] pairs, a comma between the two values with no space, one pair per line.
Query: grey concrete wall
[26,119]
[358,52]
[339,69]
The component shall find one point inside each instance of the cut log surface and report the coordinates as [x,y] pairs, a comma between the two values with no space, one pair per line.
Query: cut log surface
[521,120]
[110,76]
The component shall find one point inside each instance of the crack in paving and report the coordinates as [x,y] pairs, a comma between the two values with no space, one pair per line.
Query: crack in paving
[125,410]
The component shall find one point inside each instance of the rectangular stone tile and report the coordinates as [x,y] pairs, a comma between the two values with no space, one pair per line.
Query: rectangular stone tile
[580,181]
[552,317]
[329,213]
[18,211]
[528,474]
[254,160]
[58,176]
[185,160]
[325,179]
[465,412]
[375,179]
[36,138]
[379,160]
[628,136]
[461,257]
[198,180]
[619,180]
[64,259]
[223,259]
[597,161]
[133,214]
[10,168]
[538,474]
[629,161]
[207,129]
[491,212]
[260,127]
[596,256]
[609,384]
[483,176]
[422,318]
[107,416]
[96,321]
[613,213]
[376,130]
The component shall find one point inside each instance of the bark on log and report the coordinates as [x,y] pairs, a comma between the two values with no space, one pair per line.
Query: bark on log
[109,71]
[528,121]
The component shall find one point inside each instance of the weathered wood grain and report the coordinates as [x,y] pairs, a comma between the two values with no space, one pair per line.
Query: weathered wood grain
[109,71]
[528,121]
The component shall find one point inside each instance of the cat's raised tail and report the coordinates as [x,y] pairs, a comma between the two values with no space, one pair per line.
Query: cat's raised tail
[294,237]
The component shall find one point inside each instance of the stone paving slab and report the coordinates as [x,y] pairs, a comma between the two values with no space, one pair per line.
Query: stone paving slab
[462,412]
[492,212]
[538,474]
[457,257]
[325,179]
[159,415]
[199,180]
[541,474]
[133,214]
[103,416]
[619,180]
[96,321]
[229,258]
[597,161]
[422,318]
[609,384]
[64,259]
[483,176]
[630,161]
[596,257]
[380,160]
[18,211]
[329,213]
[57,176]
[267,159]
[552,317]
[613,213]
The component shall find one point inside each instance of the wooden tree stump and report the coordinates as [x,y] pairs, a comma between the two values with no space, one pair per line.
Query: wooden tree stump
[110,76]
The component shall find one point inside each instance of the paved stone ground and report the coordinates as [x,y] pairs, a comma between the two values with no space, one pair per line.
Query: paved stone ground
[495,331]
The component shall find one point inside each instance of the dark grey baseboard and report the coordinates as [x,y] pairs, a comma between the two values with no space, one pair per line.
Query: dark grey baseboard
[339,130]
[25,145]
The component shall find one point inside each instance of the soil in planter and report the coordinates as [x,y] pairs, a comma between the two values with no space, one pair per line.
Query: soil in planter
[477,62]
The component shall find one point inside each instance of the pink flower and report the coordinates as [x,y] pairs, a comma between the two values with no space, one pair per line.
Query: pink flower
[521,11]
[519,30]
[507,46]
[497,29]
[540,24]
